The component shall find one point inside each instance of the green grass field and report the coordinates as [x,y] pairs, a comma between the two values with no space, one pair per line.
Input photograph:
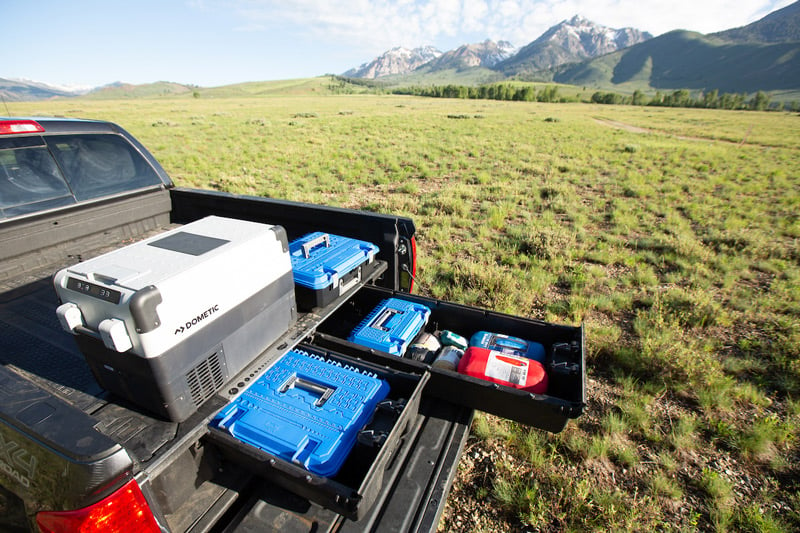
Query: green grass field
[673,234]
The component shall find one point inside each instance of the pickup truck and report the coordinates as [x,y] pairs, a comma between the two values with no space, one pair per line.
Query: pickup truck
[75,457]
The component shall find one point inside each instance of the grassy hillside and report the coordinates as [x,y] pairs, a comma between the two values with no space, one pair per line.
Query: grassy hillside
[673,234]
[15,90]
[320,85]
[687,60]
[424,76]
[779,26]
[146,90]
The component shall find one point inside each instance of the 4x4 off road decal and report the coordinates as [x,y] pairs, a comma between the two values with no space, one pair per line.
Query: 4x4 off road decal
[196,320]
[16,462]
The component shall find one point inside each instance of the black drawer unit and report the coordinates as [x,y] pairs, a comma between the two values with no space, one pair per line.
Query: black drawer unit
[564,362]
[352,491]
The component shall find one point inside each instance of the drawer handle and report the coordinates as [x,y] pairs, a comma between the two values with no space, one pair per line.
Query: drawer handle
[309,386]
[313,243]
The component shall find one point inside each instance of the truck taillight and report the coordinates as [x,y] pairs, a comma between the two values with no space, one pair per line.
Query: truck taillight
[20,126]
[124,510]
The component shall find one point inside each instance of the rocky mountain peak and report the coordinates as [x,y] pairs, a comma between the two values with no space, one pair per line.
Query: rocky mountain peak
[398,60]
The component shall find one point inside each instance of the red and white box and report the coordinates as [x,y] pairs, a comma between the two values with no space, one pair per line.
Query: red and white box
[505,369]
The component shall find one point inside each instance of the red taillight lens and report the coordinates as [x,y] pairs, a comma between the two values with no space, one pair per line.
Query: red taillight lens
[20,126]
[412,272]
[125,510]
[413,263]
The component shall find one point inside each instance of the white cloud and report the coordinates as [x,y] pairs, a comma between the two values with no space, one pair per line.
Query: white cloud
[376,25]
[706,16]
[474,15]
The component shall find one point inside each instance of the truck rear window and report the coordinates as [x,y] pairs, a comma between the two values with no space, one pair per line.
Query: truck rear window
[39,173]
[30,179]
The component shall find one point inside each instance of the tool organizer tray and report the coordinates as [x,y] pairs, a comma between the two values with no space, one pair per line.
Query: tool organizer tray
[305,409]
[391,326]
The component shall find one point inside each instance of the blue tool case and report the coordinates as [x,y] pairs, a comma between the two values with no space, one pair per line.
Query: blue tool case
[391,326]
[325,266]
[305,410]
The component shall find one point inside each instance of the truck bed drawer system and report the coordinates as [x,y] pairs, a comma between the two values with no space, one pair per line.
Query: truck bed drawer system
[168,322]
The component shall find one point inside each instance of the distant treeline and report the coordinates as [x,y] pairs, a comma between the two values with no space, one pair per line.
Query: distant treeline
[683,98]
[341,84]
[760,101]
[550,93]
[494,91]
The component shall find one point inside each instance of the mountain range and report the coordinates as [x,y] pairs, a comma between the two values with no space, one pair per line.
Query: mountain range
[398,60]
[486,54]
[779,26]
[13,90]
[569,41]
[401,61]
[764,55]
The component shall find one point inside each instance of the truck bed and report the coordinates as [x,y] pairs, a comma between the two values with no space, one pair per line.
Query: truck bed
[216,495]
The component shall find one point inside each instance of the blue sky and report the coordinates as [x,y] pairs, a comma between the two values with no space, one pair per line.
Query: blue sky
[217,42]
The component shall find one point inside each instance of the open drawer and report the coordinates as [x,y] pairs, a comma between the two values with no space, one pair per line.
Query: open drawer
[384,440]
[564,358]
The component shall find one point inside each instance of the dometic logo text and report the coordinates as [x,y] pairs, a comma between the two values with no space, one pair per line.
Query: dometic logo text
[17,462]
[196,320]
